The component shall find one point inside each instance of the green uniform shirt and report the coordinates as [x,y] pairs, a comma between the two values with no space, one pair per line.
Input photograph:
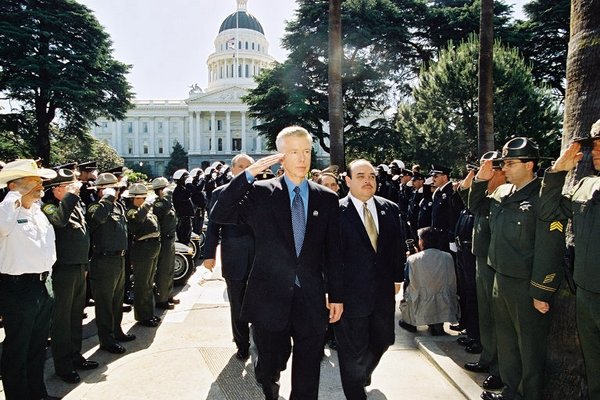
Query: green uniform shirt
[582,205]
[165,212]
[107,221]
[141,221]
[522,245]
[72,233]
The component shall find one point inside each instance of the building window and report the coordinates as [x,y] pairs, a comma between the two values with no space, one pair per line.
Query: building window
[220,144]
[104,125]
[240,70]
[258,46]
[221,72]
[146,148]
[130,127]
[210,124]
[247,70]
[232,70]
[240,45]
[130,146]
[144,127]
[160,146]
[246,45]
[160,127]
[219,125]
[236,144]
[209,144]
[252,45]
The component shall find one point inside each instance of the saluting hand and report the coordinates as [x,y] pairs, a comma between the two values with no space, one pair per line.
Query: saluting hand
[264,163]
[486,172]
[569,159]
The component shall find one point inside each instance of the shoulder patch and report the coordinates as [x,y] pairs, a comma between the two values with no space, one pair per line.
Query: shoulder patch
[131,212]
[49,209]
[92,208]
[556,226]
[158,204]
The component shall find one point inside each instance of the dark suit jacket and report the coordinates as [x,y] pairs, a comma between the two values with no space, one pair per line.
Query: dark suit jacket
[369,276]
[265,207]
[445,210]
[237,245]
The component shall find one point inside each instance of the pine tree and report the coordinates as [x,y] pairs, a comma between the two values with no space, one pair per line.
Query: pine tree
[178,160]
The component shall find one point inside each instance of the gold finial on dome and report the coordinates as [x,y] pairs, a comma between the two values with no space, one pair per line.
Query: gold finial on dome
[242,5]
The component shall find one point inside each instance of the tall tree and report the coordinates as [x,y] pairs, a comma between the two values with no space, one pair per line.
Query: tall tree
[178,160]
[565,368]
[543,39]
[485,116]
[336,104]
[440,124]
[56,62]
[84,149]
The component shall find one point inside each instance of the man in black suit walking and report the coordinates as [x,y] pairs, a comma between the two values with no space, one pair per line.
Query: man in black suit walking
[373,260]
[297,237]
[237,253]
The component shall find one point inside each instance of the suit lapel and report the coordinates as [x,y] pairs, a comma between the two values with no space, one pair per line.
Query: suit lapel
[381,222]
[354,219]
[312,218]
[283,211]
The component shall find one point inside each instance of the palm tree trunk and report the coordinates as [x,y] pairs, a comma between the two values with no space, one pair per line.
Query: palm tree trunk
[486,78]
[336,105]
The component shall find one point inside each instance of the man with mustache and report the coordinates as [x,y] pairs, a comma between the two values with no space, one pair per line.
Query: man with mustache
[373,260]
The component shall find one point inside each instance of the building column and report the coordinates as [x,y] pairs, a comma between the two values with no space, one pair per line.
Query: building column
[191,131]
[198,136]
[228,132]
[136,141]
[213,135]
[243,132]
[117,137]
[167,145]
[152,144]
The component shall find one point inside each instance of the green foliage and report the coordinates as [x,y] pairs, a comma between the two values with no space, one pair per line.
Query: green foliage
[84,149]
[543,41]
[140,168]
[135,177]
[178,160]
[57,64]
[440,125]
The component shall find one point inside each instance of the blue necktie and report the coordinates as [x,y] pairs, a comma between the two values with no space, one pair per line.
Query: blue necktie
[298,222]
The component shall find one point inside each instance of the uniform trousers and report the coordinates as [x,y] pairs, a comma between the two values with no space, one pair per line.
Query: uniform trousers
[361,344]
[465,263]
[274,350]
[184,229]
[239,327]
[165,268]
[107,277]
[68,283]
[26,306]
[487,331]
[144,257]
[588,326]
[522,335]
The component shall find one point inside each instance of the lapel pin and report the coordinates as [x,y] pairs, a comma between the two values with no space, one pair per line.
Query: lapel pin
[315,213]
[382,212]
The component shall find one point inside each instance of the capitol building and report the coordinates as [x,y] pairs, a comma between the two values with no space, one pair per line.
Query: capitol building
[212,124]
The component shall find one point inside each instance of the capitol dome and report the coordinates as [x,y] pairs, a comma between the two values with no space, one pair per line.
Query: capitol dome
[243,20]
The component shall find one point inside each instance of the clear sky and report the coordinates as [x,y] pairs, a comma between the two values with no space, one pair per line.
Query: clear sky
[168,42]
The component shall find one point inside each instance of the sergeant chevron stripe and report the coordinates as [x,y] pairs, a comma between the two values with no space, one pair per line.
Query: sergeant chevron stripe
[556,226]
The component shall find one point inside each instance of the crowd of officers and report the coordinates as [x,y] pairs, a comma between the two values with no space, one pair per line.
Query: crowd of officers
[503,225]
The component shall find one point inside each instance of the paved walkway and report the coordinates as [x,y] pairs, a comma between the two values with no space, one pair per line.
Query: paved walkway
[191,356]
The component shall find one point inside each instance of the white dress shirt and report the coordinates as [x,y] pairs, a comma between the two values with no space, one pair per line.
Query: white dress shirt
[26,238]
[370,205]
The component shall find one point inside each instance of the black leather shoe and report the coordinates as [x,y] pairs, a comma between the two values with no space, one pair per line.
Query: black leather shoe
[126,337]
[150,323]
[492,396]
[70,377]
[474,348]
[86,365]
[173,300]
[367,381]
[465,340]
[406,326]
[242,354]
[476,367]
[457,328]
[155,318]
[165,306]
[492,383]
[114,348]
[126,308]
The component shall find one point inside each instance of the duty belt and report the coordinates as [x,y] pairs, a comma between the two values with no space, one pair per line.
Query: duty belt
[153,235]
[25,277]
[120,253]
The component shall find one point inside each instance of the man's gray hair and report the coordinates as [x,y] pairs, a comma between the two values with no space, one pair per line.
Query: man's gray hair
[296,131]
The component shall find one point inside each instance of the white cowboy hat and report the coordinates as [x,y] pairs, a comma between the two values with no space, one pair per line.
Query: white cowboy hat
[22,168]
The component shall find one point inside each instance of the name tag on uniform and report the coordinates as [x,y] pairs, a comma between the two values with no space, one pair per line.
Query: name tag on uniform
[21,221]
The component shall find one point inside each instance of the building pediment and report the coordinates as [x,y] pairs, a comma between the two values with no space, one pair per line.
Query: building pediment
[225,95]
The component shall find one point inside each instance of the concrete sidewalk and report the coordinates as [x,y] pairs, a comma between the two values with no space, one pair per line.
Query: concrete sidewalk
[191,356]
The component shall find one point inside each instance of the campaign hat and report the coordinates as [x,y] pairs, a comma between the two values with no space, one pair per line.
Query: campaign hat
[22,168]
[63,175]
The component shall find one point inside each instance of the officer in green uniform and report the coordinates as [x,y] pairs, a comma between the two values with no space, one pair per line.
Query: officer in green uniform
[484,281]
[145,246]
[65,212]
[581,204]
[108,224]
[167,221]
[526,254]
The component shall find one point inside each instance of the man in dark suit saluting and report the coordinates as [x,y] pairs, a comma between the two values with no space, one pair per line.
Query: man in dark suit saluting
[373,260]
[296,229]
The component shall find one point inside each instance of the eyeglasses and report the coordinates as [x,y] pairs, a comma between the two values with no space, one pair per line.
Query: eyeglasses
[510,164]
